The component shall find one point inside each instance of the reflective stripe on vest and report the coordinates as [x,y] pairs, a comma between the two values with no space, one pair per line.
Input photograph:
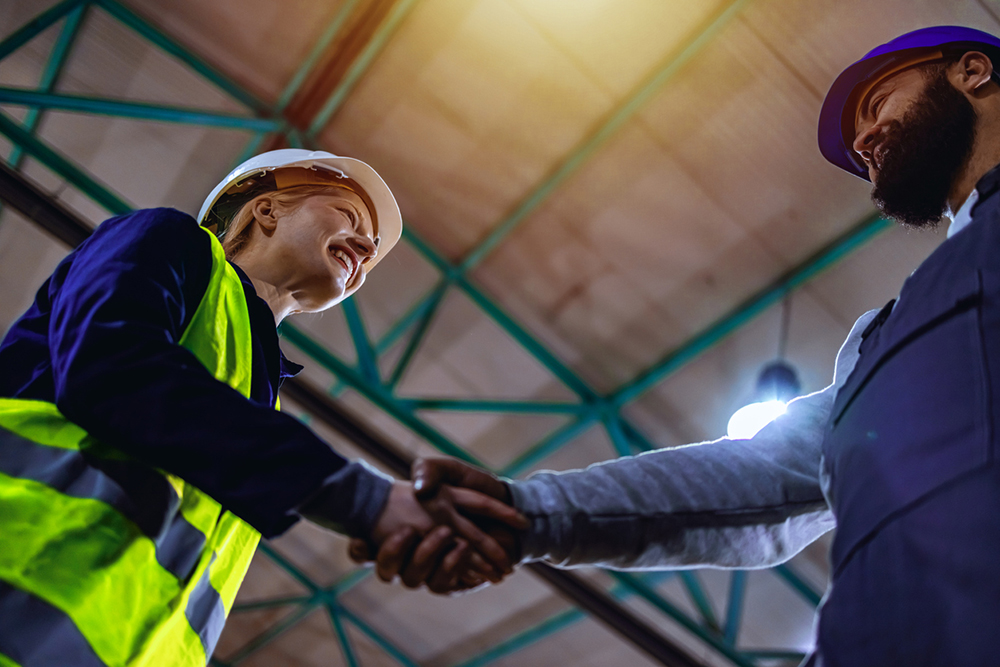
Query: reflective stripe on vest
[104,561]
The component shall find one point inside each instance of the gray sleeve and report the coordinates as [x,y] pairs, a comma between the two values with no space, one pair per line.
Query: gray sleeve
[727,503]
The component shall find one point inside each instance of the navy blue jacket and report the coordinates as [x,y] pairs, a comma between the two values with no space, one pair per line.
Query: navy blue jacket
[101,342]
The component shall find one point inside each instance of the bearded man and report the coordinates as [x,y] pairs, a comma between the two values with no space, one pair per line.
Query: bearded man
[900,452]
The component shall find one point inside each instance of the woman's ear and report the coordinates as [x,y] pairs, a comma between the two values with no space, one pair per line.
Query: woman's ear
[265,214]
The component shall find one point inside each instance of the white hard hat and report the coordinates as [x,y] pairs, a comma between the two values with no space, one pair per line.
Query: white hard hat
[238,187]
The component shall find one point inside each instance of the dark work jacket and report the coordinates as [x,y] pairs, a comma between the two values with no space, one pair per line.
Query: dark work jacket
[911,451]
[101,341]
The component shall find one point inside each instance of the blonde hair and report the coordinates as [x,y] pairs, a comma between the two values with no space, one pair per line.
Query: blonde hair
[237,234]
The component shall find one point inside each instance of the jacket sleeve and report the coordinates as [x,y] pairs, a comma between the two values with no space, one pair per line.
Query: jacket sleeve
[727,503]
[120,373]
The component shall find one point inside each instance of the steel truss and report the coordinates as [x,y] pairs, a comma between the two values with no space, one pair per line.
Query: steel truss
[591,408]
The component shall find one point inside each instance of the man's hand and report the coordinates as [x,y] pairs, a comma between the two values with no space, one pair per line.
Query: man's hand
[449,490]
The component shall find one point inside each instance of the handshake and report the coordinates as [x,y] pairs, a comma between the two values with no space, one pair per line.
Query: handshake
[453,528]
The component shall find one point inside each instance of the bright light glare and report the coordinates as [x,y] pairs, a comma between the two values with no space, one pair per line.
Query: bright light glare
[749,419]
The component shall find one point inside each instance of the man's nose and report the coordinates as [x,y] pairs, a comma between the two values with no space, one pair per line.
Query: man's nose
[864,143]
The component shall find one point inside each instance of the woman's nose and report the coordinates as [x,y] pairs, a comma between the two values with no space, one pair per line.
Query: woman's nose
[363,246]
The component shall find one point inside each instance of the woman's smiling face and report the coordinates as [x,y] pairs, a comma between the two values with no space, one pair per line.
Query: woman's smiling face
[319,246]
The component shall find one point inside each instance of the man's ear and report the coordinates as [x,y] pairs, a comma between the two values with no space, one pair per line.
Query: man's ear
[972,71]
[265,215]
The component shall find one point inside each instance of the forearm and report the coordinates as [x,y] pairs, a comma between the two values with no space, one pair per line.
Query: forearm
[744,503]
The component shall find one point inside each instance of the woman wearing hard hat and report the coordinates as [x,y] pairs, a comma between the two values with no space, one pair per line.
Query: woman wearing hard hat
[141,457]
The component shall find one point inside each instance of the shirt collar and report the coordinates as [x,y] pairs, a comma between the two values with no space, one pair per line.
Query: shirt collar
[961,219]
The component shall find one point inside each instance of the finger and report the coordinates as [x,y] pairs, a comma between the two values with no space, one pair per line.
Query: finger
[480,504]
[426,556]
[482,569]
[445,577]
[394,553]
[429,474]
[358,550]
[485,544]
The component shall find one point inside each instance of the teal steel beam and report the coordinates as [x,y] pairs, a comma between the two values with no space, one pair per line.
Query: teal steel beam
[345,642]
[649,594]
[150,33]
[810,594]
[36,26]
[329,34]
[266,637]
[616,435]
[362,345]
[294,572]
[765,654]
[360,65]
[486,405]
[252,147]
[53,69]
[608,127]
[548,445]
[414,317]
[526,638]
[381,641]
[257,605]
[377,394]
[417,337]
[734,606]
[61,166]
[135,110]
[694,589]
[546,628]
[818,262]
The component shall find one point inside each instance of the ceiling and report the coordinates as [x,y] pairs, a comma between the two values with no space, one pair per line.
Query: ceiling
[607,205]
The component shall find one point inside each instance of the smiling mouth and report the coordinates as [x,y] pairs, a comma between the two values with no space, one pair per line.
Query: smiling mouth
[346,260]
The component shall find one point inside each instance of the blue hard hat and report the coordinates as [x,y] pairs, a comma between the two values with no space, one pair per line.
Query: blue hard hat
[833,144]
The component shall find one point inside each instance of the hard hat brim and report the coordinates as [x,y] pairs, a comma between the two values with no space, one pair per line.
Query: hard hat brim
[389,219]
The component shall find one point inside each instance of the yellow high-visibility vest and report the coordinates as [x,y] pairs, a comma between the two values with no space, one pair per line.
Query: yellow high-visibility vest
[117,563]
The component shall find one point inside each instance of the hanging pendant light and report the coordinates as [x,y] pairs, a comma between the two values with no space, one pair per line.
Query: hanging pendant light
[777,384]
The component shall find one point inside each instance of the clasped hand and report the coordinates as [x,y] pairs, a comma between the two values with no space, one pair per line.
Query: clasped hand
[452,529]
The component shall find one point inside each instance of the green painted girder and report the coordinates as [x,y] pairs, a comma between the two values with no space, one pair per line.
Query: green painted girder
[37,26]
[330,33]
[362,345]
[377,394]
[136,110]
[734,606]
[266,637]
[549,445]
[773,293]
[486,405]
[607,128]
[361,64]
[577,157]
[53,70]
[167,44]
[648,593]
[810,594]
[76,176]
[345,642]
[381,641]
[420,330]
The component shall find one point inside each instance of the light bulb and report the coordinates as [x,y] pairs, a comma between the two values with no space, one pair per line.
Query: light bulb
[748,420]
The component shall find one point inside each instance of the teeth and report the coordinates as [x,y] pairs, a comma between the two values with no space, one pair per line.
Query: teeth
[347,259]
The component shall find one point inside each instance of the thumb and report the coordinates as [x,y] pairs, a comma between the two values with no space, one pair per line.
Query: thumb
[428,475]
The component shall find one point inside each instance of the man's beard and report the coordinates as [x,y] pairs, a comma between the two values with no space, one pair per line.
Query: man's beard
[924,154]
